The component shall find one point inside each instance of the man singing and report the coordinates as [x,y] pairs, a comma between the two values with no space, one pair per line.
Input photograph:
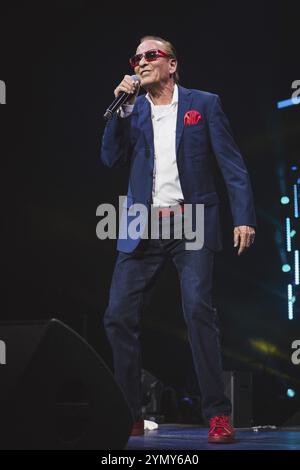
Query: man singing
[169,138]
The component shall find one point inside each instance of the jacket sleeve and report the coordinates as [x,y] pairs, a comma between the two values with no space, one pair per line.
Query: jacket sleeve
[115,147]
[232,166]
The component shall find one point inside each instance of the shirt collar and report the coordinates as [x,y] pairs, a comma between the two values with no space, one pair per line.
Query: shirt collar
[174,98]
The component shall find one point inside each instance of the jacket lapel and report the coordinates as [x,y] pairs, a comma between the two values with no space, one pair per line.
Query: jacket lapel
[184,105]
[145,124]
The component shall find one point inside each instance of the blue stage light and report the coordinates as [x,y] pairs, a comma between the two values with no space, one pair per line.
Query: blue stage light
[296,212]
[288,233]
[290,302]
[286,268]
[284,200]
[289,102]
[290,393]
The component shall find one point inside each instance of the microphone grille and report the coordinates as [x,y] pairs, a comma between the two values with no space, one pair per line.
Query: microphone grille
[136,78]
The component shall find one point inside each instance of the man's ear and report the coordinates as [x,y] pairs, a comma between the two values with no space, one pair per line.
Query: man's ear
[173,63]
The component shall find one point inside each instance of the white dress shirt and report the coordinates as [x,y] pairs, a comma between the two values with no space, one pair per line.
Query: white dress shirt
[166,190]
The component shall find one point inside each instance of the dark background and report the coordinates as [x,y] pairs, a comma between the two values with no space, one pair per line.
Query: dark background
[60,65]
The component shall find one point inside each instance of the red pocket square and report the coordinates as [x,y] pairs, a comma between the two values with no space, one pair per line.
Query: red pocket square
[192,117]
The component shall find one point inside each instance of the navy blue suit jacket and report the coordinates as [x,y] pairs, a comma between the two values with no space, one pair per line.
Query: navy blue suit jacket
[130,141]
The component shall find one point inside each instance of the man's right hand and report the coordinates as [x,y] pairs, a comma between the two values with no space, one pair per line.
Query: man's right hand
[130,86]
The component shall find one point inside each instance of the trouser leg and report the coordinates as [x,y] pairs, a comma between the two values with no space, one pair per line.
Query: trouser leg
[133,278]
[195,270]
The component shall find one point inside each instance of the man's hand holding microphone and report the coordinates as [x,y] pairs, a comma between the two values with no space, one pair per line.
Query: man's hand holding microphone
[130,86]
[125,93]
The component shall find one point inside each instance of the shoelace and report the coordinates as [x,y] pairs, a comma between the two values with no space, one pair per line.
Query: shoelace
[220,422]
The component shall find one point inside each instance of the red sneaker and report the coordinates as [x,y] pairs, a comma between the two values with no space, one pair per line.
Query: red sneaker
[221,430]
[138,428]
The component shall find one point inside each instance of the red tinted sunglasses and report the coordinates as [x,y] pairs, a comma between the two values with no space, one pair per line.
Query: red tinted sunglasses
[150,56]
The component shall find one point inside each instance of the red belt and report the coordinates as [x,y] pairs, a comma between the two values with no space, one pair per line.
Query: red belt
[168,211]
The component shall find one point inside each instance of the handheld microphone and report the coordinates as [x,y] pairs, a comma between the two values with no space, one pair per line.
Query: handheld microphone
[119,100]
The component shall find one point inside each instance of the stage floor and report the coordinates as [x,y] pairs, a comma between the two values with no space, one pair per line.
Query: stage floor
[184,437]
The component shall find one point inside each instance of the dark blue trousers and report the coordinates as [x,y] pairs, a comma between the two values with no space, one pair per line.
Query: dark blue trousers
[133,277]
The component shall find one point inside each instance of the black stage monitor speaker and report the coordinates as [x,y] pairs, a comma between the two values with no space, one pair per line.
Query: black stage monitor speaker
[293,420]
[238,388]
[56,392]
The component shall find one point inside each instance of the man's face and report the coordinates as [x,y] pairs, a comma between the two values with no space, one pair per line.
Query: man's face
[158,71]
